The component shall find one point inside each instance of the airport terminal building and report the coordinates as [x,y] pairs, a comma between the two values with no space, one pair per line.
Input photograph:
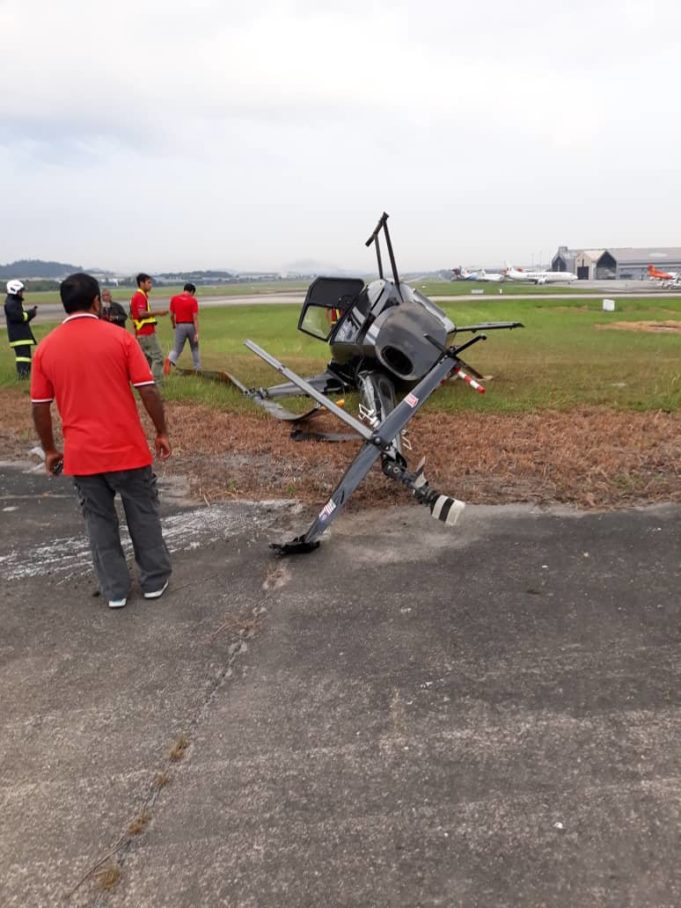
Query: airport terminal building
[621,262]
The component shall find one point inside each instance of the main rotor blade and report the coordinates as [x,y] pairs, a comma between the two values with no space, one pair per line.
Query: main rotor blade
[355,473]
[305,386]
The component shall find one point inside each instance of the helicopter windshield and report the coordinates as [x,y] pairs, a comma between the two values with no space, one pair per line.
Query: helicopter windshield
[327,299]
[319,321]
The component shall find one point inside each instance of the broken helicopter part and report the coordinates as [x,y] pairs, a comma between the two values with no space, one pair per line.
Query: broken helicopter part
[393,346]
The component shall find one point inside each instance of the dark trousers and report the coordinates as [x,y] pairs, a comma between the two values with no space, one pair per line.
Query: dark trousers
[137,489]
[23,360]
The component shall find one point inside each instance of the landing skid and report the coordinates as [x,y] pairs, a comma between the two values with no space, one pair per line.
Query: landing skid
[379,442]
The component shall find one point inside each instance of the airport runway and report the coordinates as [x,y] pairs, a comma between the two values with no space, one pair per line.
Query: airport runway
[52,312]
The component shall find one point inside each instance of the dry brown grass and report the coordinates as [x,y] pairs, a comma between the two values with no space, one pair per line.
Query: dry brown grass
[245,624]
[590,458]
[666,327]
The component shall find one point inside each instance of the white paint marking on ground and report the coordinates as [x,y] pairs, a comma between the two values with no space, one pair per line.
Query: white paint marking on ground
[70,555]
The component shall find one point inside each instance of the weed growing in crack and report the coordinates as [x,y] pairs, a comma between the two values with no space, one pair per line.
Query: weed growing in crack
[107,878]
[178,749]
[161,779]
[140,823]
[242,625]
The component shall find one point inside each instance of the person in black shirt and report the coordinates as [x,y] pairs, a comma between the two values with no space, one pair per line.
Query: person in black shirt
[113,312]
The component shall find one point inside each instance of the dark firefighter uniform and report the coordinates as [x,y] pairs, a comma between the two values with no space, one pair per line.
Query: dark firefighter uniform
[19,332]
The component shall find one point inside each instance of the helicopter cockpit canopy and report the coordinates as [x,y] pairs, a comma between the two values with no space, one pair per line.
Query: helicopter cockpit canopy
[327,300]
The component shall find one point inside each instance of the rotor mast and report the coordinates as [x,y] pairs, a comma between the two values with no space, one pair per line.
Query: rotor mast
[375,238]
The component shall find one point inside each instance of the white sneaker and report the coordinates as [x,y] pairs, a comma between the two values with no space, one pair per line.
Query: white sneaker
[157,593]
[117,603]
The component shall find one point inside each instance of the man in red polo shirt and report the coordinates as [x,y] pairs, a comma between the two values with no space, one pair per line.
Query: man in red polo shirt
[144,323]
[87,366]
[184,314]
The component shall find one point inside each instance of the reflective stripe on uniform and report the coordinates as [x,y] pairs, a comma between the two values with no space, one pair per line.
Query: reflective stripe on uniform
[25,316]
[23,359]
[140,323]
[22,343]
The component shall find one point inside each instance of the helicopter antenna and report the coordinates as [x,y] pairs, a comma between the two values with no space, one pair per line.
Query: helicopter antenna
[374,238]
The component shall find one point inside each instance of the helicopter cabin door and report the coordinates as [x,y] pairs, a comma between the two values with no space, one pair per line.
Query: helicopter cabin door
[326,302]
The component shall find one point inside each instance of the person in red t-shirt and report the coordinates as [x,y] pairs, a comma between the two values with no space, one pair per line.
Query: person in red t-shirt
[184,314]
[144,323]
[87,366]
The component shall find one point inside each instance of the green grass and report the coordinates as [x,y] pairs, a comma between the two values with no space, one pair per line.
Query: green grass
[559,360]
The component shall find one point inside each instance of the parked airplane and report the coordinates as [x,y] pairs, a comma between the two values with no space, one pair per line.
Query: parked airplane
[460,274]
[493,277]
[666,278]
[539,277]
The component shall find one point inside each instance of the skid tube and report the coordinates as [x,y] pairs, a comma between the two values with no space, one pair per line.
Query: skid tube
[378,442]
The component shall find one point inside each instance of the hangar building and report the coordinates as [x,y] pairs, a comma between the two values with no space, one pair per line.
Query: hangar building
[621,262]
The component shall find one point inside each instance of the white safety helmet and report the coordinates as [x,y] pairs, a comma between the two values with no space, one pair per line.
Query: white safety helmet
[14,287]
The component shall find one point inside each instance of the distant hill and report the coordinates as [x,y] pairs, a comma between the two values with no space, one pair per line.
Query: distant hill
[28,268]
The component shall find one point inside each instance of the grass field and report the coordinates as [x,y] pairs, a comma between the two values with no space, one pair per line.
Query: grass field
[563,358]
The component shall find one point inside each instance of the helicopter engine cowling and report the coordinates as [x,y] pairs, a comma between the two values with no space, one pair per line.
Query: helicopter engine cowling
[400,342]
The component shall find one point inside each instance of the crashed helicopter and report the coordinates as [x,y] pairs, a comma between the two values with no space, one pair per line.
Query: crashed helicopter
[395,347]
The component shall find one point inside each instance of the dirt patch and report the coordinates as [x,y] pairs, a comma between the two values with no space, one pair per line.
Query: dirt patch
[591,458]
[668,327]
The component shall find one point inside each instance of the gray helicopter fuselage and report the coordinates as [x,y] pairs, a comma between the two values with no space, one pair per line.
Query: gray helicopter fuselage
[389,327]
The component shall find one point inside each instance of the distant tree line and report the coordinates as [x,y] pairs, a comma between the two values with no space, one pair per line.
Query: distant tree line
[196,277]
[27,268]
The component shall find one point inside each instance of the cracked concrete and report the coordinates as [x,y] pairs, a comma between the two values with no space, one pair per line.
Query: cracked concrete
[411,715]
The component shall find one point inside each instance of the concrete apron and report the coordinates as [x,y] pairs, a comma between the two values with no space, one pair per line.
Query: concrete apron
[413,715]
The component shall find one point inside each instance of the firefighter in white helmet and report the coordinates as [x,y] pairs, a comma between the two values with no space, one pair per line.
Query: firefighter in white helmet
[19,332]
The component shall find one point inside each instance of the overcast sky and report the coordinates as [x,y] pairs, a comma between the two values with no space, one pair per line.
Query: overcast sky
[205,133]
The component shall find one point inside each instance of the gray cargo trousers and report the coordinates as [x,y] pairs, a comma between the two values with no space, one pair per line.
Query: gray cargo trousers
[185,332]
[137,489]
[152,351]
